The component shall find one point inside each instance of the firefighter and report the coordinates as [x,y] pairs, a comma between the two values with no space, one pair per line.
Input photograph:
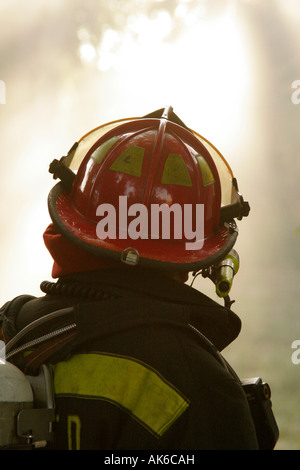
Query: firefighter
[140,204]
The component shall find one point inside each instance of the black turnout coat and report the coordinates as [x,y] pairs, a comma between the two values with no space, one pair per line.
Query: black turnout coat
[141,370]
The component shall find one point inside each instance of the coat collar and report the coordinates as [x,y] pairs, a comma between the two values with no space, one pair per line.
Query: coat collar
[219,324]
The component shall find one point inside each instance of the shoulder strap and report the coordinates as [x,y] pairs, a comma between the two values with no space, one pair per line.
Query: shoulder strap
[39,356]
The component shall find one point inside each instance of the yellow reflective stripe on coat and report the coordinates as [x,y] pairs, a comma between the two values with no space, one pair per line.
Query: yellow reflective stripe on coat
[128,383]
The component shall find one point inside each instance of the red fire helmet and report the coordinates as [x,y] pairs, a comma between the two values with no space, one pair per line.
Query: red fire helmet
[147,191]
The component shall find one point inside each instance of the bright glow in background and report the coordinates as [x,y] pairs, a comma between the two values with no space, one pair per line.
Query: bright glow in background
[227,69]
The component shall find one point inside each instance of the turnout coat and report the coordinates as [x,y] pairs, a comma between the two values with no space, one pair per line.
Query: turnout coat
[142,368]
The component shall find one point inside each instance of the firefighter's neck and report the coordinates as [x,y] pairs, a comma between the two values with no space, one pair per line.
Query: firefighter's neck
[179,276]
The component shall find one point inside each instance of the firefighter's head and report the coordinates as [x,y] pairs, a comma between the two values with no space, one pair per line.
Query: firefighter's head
[147,191]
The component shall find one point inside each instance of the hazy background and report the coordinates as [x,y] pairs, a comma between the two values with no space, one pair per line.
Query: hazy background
[227,68]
